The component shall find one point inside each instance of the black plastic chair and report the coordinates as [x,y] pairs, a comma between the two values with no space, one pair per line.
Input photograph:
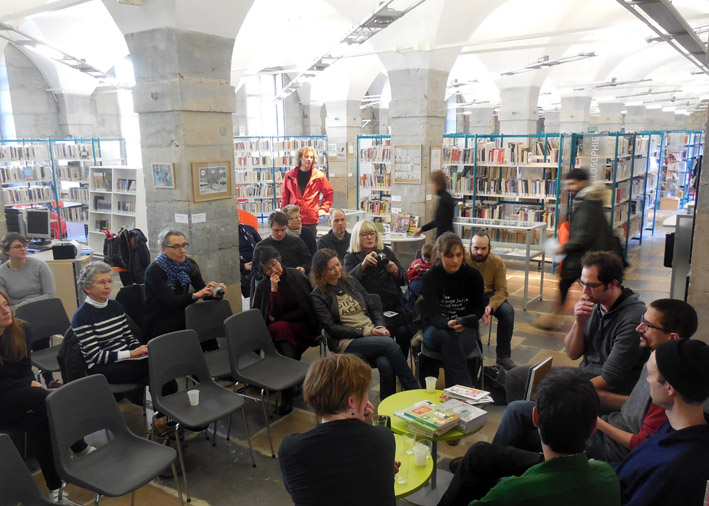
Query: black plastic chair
[207,319]
[16,431]
[16,484]
[124,464]
[247,332]
[178,355]
[44,318]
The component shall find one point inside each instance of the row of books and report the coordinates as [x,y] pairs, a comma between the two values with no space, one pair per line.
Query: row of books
[375,206]
[73,171]
[259,162]
[125,185]
[27,195]
[455,155]
[537,188]
[253,145]
[102,224]
[102,181]
[17,174]
[320,145]
[379,180]
[73,151]
[257,207]
[262,190]
[28,152]
[125,206]
[102,203]
[380,153]
[79,195]
[252,177]
[508,212]
[78,214]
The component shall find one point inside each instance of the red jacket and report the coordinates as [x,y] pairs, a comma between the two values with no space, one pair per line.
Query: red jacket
[309,203]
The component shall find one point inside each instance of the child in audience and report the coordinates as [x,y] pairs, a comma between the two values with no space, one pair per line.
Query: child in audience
[416,271]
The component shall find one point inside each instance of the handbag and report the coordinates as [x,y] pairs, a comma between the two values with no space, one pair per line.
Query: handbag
[495,384]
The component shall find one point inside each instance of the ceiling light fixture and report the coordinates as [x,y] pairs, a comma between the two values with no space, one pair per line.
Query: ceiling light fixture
[545,62]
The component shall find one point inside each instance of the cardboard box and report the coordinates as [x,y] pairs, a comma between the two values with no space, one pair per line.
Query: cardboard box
[669,203]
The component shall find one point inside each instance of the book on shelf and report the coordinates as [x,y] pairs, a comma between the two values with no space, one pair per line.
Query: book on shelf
[536,374]
[428,416]
[466,393]
[401,225]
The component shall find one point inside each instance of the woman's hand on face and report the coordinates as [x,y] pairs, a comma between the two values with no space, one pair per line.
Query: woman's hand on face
[275,279]
[368,411]
[37,384]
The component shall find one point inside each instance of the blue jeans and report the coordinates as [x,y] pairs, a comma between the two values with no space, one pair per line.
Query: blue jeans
[454,347]
[517,428]
[385,354]
[505,315]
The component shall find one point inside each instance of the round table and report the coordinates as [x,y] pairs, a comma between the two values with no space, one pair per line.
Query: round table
[416,476]
[440,479]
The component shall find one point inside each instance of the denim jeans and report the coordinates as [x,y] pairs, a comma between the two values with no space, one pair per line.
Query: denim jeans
[454,347]
[517,428]
[385,355]
[505,315]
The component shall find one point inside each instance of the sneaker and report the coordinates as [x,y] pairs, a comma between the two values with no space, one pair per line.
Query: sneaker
[506,363]
[58,495]
[86,451]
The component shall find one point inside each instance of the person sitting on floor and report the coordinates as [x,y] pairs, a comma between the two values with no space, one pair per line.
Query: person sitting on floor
[287,309]
[344,460]
[494,274]
[296,228]
[565,416]
[337,238]
[672,467]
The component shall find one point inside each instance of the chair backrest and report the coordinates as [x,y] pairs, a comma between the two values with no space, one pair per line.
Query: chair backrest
[174,355]
[16,485]
[131,297]
[245,333]
[44,317]
[81,407]
[247,218]
[207,318]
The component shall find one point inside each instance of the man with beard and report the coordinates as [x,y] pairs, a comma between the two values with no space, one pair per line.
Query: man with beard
[494,274]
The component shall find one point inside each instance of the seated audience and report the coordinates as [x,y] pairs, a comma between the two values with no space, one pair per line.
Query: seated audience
[672,466]
[288,311]
[453,303]
[337,238]
[248,239]
[344,460]
[565,416]
[378,270]
[293,251]
[354,324]
[23,399]
[296,229]
[167,285]
[494,275]
[417,269]
[604,331]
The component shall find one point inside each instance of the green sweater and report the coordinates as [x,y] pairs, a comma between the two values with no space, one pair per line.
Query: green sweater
[558,482]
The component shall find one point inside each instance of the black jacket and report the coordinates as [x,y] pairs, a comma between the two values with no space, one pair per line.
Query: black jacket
[443,219]
[15,373]
[329,241]
[464,289]
[378,280]
[298,285]
[293,252]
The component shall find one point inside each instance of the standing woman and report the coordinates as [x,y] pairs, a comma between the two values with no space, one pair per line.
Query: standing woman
[443,219]
[454,301]
[303,186]
[167,285]
[378,270]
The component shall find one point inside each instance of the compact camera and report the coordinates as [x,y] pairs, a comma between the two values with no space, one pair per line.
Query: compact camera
[382,260]
[218,291]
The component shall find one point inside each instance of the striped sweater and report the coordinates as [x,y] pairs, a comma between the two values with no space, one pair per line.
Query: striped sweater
[103,334]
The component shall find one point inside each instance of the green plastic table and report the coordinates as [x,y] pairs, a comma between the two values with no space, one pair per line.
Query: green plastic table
[416,476]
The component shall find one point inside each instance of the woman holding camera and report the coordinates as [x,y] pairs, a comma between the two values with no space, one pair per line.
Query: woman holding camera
[378,270]
[167,285]
[354,324]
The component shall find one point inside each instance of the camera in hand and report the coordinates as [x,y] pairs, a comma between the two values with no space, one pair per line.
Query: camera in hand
[382,260]
[218,291]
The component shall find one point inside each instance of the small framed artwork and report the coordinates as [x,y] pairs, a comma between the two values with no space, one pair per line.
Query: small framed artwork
[211,180]
[163,175]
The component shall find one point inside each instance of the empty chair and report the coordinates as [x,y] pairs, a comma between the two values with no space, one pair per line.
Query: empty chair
[16,484]
[247,332]
[178,355]
[45,318]
[207,320]
[124,464]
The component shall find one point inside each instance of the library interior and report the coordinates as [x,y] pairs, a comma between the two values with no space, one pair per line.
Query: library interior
[155,135]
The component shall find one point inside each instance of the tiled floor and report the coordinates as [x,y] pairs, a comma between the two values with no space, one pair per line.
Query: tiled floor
[224,476]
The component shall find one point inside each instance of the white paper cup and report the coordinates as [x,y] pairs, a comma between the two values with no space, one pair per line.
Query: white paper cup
[193,396]
[420,454]
[431,384]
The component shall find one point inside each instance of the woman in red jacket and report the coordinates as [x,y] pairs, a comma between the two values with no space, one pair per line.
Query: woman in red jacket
[303,186]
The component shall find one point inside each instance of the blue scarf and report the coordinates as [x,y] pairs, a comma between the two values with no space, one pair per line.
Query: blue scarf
[176,272]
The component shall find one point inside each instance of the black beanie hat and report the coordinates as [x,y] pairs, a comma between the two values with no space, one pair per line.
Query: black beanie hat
[684,363]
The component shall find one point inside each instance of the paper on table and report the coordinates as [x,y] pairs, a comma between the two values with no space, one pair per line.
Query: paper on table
[550,247]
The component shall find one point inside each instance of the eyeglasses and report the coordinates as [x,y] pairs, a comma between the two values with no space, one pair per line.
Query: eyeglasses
[298,217]
[648,325]
[19,246]
[591,286]
[179,246]
[368,234]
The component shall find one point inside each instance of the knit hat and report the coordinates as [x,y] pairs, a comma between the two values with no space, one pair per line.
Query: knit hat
[684,363]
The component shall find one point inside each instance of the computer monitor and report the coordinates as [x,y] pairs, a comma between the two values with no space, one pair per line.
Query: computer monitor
[38,223]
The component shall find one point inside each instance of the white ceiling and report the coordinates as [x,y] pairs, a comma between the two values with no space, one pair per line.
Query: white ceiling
[473,40]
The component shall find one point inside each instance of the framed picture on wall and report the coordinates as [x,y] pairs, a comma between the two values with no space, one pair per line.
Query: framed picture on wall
[211,180]
[163,175]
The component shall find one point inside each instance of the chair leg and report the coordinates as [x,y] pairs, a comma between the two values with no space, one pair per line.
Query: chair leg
[177,483]
[182,461]
[264,401]
[489,333]
[228,429]
[248,436]
[132,498]
[214,433]
[97,499]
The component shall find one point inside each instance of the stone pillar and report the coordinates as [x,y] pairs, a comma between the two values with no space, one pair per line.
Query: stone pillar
[383,120]
[185,104]
[634,118]
[575,114]
[518,110]
[610,118]
[417,117]
[343,123]
[552,122]
[76,118]
[293,112]
[312,119]
[481,120]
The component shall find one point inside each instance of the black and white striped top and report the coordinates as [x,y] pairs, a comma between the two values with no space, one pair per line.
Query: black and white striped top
[103,333]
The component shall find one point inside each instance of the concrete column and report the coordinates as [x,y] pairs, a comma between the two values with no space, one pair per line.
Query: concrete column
[481,120]
[697,121]
[185,105]
[518,110]
[552,121]
[240,116]
[76,119]
[575,114]
[417,117]
[610,118]
[653,119]
[293,111]
[312,119]
[383,121]
[635,118]
[668,120]
[343,123]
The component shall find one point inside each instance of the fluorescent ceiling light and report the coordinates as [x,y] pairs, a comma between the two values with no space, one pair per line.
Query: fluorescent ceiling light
[545,62]
[630,104]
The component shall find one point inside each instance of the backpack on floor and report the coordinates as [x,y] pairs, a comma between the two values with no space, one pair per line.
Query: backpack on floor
[495,384]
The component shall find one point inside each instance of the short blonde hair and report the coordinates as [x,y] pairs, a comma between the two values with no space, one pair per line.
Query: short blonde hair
[303,150]
[333,379]
[362,227]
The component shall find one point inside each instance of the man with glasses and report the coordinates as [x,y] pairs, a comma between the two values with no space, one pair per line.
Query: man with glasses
[296,228]
[604,330]
[293,251]
[337,238]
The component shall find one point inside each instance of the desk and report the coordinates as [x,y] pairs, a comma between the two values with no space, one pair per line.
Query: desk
[416,477]
[404,246]
[440,479]
[66,275]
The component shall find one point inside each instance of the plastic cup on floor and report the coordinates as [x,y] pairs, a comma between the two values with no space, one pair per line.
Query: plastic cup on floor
[194,397]
[431,384]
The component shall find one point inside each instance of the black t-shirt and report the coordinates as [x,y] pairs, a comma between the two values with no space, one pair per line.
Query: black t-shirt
[303,178]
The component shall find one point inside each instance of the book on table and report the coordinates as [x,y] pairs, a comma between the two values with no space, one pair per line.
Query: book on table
[536,373]
[465,393]
[470,417]
[429,417]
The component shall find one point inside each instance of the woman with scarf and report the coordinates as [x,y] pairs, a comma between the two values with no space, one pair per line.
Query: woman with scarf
[167,285]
